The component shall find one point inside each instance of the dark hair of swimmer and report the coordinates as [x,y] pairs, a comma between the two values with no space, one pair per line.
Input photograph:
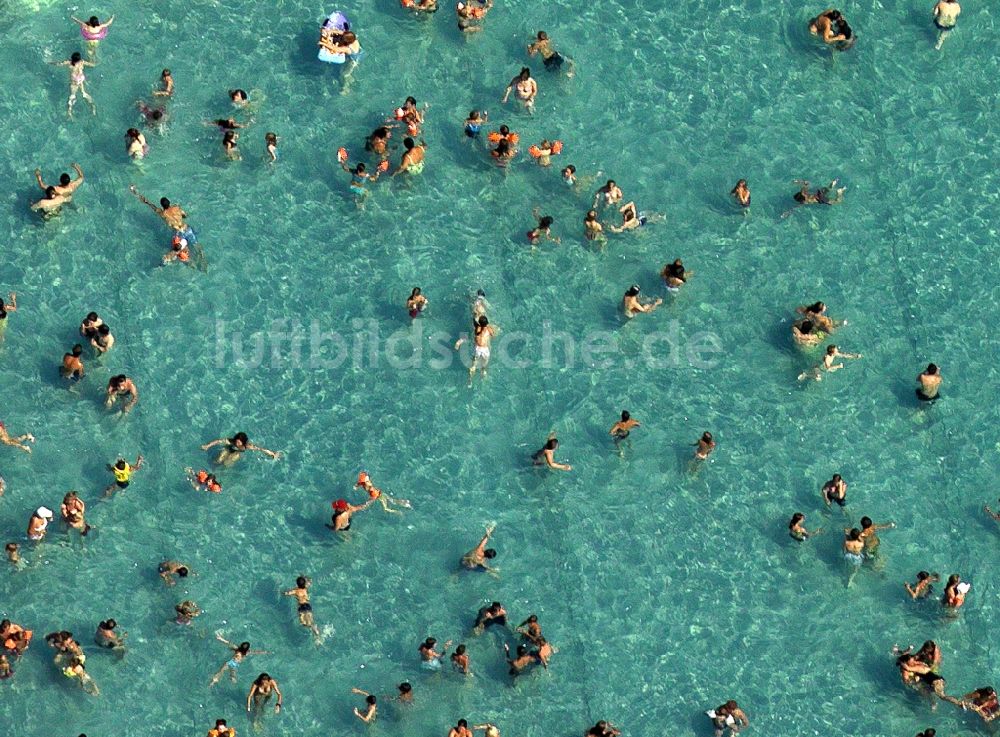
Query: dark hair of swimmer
[156,114]
[706,436]
[460,650]
[806,327]
[430,642]
[799,197]
[75,57]
[405,687]
[831,349]
[164,203]
[530,620]
[473,114]
[928,733]
[502,149]
[504,130]
[415,292]
[854,534]
[543,36]
[866,522]
[816,307]
[120,464]
[591,215]
[480,293]
[94,21]
[229,137]
[182,571]
[165,73]
[132,133]
[953,579]
[483,321]
[525,73]
[381,132]
[120,379]
[77,350]
[796,518]
[348,38]
[244,648]
[731,705]
[300,582]
[626,416]
[546,222]
[462,722]
[370,699]
[64,179]
[932,368]
[923,576]
[610,183]
[50,192]
[836,478]
[220,722]
[550,444]
[632,290]
[408,143]
[262,678]
[91,316]
[240,438]
[270,138]
[359,169]
[238,95]
[410,101]
[490,553]
[521,651]
[834,15]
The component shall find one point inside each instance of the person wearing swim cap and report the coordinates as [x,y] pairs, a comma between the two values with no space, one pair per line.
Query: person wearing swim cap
[476,559]
[342,511]
[170,568]
[38,523]
[631,305]
[301,594]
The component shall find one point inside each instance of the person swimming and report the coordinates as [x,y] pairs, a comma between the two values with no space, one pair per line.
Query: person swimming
[474,123]
[930,383]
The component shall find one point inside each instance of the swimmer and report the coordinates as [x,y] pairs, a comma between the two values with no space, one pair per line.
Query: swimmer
[239,98]
[119,386]
[632,218]
[93,32]
[954,592]
[869,534]
[135,144]
[544,228]
[489,616]
[18,442]
[569,176]
[816,312]
[461,729]
[544,150]
[984,702]
[603,729]
[489,730]
[51,204]
[225,124]
[378,142]
[229,147]
[460,661]
[471,14]
[728,716]
[543,653]
[820,197]
[108,638]
[410,115]
[805,333]
[525,89]
[945,14]
[924,585]
[704,446]
[675,276]
[482,335]
[13,553]
[235,447]
[503,154]
[835,490]
[530,630]
[172,214]
[90,324]
[240,653]
[261,691]
[221,729]
[38,523]
[301,594]
[186,611]
[76,670]
[827,365]
[833,29]
[551,58]
[5,670]
[412,161]
[521,660]
[15,638]
[103,341]
[592,228]
[170,568]
[476,559]
[546,456]
[853,548]
[154,117]
[621,429]
[429,656]
[474,123]
[72,511]
[271,146]
[930,383]
[342,511]
[371,710]
[77,80]
[167,80]
[374,493]
[416,303]
[991,513]
[797,531]
[609,194]
[66,186]
[359,176]
[632,306]
[123,471]
[203,481]
[741,193]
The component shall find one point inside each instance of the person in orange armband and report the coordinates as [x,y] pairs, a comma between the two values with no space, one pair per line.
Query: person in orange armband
[545,150]
[376,494]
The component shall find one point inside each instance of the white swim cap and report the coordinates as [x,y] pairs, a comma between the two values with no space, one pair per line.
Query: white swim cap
[963,588]
[44,512]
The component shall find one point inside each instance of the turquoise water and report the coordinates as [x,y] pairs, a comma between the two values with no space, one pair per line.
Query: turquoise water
[666,592]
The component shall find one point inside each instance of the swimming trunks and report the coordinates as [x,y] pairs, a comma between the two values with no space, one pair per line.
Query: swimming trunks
[924,398]
[941,27]
[234,664]
[358,190]
[482,351]
[416,168]
[554,62]
[434,664]
[472,129]
[414,312]
[854,559]
[307,607]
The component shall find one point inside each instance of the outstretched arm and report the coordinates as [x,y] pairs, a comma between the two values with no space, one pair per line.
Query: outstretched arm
[220,441]
[38,178]
[79,172]
[272,453]
[143,200]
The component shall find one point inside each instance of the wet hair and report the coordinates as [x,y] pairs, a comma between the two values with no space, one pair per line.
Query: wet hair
[108,625]
[706,436]
[502,149]
[854,534]
[543,36]
[462,723]
[831,349]
[229,137]
[411,100]
[259,680]
[429,642]
[866,522]
[77,350]
[590,216]
[550,444]
[165,73]
[104,330]
[632,290]
[243,647]
[483,321]
[521,651]
[300,582]
[237,94]
[270,138]
[94,21]
[120,379]
[626,416]
[932,368]
[525,73]
[156,114]
[497,604]
[415,292]
[610,183]
[504,130]
[182,571]
[164,203]
[75,57]
[50,192]
[806,327]
[10,547]
[132,133]
[460,650]
[405,687]
[120,464]
[220,723]
[380,132]
[409,143]
[799,197]
[240,437]
[796,518]
[571,169]
[370,699]
[816,307]
[64,179]
[531,619]
[954,579]
[348,37]
[731,704]
[546,221]
[490,553]
[834,15]
[836,478]
[473,113]
[359,169]
[923,576]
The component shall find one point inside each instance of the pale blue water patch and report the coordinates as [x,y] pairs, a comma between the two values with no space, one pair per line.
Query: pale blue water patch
[666,592]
